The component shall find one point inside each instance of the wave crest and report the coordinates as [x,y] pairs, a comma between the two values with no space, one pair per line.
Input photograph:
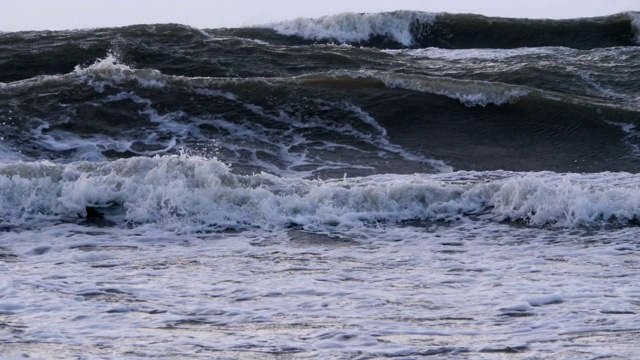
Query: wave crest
[470,93]
[463,31]
[352,27]
[111,69]
[635,24]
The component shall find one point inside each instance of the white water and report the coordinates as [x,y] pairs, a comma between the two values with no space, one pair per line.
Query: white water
[587,72]
[350,27]
[483,54]
[189,193]
[469,290]
[247,143]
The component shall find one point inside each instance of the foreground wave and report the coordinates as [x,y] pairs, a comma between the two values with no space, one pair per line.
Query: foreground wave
[198,194]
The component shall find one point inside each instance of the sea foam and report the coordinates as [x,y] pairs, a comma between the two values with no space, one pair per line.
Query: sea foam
[193,193]
[105,71]
[111,69]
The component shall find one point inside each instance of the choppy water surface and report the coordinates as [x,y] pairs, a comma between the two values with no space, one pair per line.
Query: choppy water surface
[398,184]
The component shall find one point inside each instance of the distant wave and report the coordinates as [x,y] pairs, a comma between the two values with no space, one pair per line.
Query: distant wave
[419,30]
[354,28]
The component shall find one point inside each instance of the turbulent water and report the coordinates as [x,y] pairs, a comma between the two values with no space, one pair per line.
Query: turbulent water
[397,184]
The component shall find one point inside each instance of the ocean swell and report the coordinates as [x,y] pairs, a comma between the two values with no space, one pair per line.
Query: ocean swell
[351,27]
[462,31]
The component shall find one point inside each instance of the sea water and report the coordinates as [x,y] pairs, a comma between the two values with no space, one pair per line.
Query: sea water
[362,186]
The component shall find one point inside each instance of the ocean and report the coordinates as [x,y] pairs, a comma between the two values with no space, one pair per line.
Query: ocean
[357,186]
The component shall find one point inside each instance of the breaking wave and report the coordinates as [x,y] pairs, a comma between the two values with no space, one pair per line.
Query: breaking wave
[354,28]
[468,92]
[189,192]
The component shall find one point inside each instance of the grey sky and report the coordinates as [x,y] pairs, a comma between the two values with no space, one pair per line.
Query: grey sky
[68,14]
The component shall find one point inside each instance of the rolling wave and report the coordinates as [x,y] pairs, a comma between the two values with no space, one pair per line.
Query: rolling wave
[458,31]
[290,106]
[359,122]
[110,71]
[357,28]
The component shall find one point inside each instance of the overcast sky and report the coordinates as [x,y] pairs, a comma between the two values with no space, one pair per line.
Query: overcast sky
[70,14]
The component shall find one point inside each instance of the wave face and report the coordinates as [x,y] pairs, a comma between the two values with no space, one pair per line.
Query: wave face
[457,31]
[398,27]
[294,104]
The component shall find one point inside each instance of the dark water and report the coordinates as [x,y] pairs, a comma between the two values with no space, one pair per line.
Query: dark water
[319,98]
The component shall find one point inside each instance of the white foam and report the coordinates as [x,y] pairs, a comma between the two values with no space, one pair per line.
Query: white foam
[87,148]
[397,291]
[192,193]
[137,140]
[103,72]
[291,151]
[111,70]
[568,200]
[351,27]
[283,151]
[469,92]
